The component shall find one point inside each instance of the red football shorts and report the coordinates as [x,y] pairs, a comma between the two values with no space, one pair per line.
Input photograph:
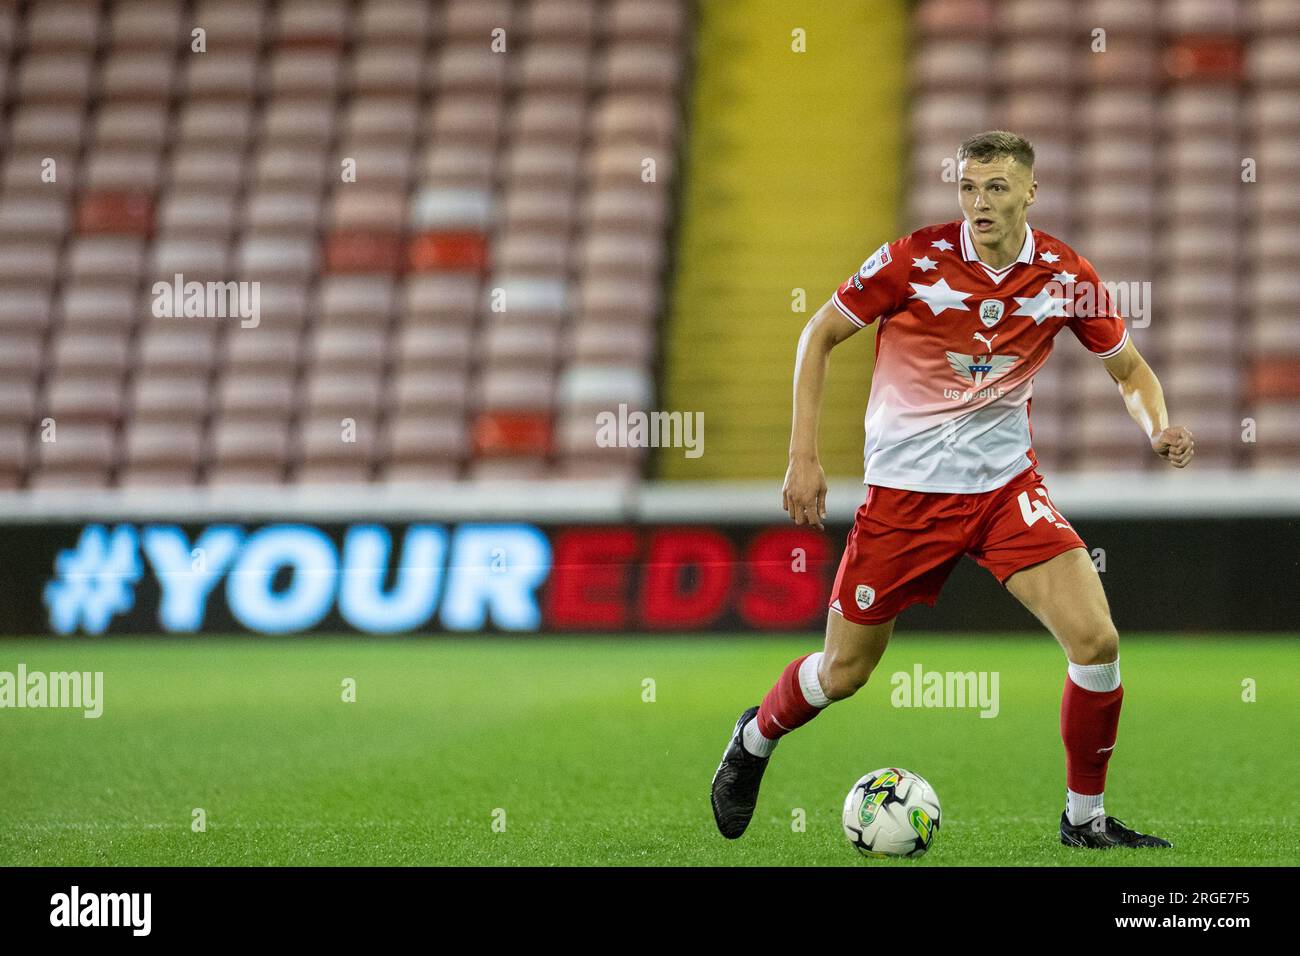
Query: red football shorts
[904,544]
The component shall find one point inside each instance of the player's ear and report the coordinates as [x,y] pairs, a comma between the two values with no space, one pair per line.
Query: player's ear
[1032,195]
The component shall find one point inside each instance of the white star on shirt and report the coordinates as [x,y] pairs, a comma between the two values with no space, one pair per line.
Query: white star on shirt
[1065,277]
[1041,306]
[944,245]
[925,263]
[941,296]
[1048,256]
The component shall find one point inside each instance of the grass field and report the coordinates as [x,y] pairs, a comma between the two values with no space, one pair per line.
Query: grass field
[556,733]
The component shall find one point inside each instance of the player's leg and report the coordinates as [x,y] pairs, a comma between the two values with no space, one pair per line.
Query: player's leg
[902,547]
[811,682]
[1066,595]
[1042,561]
[807,686]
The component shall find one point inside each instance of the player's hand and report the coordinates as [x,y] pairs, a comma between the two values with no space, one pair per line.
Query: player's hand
[1174,445]
[804,494]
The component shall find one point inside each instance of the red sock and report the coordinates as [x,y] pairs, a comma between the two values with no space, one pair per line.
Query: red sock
[785,707]
[1089,725]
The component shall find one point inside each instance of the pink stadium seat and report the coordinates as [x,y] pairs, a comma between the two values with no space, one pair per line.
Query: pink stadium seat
[341,392]
[364,207]
[176,346]
[468,118]
[472,19]
[554,209]
[78,455]
[434,349]
[557,118]
[644,119]
[137,77]
[469,68]
[95,305]
[24,310]
[27,217]
[273,346]
[232,25]
[215,122]
[655,20]
[56,127]
[557,165]
[559,67]
[144,125]
[417,392]
[1125,17]
[1270,16]
[308,73]
[232,76]
[250,452]
[162,453]
[388,69]
[356,347]
[507,343]
[560,20]
[417,442]
[312,23]
[509,389]
[949,64]
[147,25]
[1042,19]
[20,354]
[395,21]
[182,398]
[198,214]
[63,26]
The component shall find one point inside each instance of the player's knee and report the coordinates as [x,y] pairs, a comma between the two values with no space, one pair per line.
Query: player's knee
[1099,646]
[843,677]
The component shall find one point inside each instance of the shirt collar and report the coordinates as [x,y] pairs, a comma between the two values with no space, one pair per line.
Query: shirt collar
[970,255]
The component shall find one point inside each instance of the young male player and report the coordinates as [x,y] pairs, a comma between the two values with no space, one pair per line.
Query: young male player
[967,312]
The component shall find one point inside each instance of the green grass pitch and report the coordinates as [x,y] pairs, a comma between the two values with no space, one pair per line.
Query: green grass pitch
[446,733]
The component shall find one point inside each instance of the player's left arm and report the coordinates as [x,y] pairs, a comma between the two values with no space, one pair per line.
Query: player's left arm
[1145,402]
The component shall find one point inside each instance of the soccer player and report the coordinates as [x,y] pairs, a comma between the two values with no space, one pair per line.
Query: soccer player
[968,311]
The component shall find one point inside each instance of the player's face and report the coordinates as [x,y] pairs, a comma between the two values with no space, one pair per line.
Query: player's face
[994,197]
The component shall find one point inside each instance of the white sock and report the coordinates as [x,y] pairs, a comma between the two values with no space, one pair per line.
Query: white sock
[808,682]
[1099,677]
[1082,807]
[755,742]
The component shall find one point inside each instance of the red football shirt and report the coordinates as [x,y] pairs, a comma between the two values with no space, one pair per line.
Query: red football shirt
[957,349]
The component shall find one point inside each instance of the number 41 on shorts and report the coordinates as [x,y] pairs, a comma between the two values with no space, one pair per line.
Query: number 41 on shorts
[1031,511]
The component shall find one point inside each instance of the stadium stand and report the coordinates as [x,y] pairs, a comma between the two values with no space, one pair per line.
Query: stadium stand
[457,253]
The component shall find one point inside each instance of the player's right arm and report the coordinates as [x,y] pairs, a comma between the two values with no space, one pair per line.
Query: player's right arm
[876,288]
[804,494]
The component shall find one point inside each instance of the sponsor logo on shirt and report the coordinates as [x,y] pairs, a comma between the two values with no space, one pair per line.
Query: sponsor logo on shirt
[979,371]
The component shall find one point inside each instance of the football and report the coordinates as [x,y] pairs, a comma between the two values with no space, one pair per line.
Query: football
[891,812]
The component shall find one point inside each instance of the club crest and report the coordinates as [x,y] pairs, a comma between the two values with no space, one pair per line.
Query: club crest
[991,312]
[865,596]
